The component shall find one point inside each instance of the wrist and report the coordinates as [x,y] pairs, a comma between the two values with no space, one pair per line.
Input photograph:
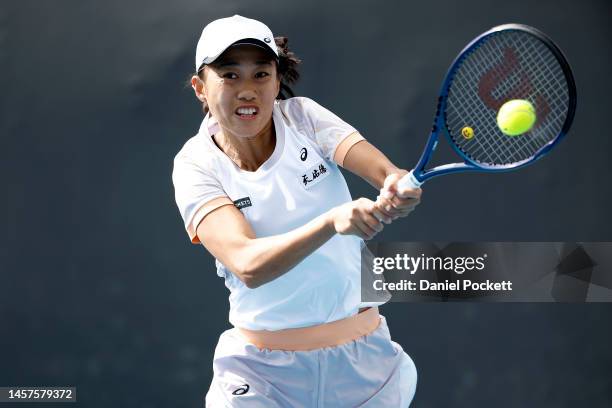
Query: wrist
[392,171]
[328,221]
[395,170]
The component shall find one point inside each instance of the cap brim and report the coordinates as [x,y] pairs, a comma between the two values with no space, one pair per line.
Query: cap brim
[245,41]
[255,42]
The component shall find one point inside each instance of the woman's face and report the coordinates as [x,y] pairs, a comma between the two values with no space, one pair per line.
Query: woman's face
[240,88]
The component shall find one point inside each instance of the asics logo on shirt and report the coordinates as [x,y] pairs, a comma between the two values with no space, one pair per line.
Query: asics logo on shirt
[303,154]
[243,389]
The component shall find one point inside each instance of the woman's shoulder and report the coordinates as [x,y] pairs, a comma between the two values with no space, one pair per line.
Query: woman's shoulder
[297,107]
[304,109]
[301,113]
[196,151]
[300,100]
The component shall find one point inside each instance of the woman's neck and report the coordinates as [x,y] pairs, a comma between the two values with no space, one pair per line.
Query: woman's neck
[249,153]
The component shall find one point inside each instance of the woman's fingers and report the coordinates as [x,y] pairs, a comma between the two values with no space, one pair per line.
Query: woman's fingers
[370,221]
[381,214]
[393,206]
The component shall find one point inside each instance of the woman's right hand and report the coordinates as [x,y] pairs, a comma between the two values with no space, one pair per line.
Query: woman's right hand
[360,217]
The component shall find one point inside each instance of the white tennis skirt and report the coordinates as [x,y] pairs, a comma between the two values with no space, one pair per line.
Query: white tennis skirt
[371,371]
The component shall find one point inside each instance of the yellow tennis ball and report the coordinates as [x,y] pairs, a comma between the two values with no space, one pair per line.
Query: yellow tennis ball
[516,117]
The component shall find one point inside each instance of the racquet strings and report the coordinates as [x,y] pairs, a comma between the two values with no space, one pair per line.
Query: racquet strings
[506,65]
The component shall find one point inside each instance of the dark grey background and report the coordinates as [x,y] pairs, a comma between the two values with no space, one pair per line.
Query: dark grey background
[100,288]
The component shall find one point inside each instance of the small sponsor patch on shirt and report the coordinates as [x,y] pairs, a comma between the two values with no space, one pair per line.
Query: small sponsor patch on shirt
[243,203]
[314,175]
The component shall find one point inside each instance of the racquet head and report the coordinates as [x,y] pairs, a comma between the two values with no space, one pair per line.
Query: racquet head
[508,62]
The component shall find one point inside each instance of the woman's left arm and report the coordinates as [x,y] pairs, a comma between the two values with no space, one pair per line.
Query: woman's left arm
[366,161]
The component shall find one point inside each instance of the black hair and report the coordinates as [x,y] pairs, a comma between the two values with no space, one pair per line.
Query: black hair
[286,67]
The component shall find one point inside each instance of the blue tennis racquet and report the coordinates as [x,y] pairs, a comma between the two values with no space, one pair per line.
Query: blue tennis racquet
[511,61]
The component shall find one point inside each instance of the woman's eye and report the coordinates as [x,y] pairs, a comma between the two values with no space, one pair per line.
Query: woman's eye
[230,75]
[261,75]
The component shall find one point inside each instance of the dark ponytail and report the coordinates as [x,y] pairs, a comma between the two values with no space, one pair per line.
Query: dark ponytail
[287,67]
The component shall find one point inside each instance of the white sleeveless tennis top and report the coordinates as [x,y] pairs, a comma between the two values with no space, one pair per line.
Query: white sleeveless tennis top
[297,183]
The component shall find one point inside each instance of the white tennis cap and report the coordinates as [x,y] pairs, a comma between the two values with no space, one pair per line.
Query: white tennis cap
[220,34]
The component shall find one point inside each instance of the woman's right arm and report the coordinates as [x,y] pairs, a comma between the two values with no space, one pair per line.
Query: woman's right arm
[227,235]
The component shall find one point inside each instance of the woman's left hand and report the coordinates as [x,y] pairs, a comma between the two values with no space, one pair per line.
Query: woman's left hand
[394,203]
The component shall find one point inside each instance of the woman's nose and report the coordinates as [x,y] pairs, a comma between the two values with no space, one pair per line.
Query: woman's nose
[247,95]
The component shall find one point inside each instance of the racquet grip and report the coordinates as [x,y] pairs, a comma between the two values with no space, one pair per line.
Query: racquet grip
[408,181]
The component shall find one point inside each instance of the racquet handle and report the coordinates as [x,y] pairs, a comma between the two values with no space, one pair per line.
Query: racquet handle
[408,181]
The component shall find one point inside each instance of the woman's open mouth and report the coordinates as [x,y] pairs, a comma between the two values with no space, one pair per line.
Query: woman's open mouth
[248,113]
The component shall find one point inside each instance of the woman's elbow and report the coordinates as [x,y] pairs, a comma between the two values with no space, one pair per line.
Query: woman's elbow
[249,275]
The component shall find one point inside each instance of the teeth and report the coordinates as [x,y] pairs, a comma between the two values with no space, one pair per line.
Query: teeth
[246,111]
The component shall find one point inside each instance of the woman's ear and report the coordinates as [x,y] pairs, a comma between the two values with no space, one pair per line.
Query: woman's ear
[198,88]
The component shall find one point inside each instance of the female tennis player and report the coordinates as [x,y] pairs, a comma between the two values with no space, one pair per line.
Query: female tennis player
[259,186]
